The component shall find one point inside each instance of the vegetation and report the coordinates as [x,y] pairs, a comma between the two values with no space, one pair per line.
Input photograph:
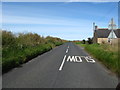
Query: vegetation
[18,49]
[83,41]
[107,54]
[76,41]
[90,41]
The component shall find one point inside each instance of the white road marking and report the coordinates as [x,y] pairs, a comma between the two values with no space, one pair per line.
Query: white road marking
[78,59]
[68,46]
[61,66]
[89,59]
[74,59]
[71,59]
[67,51]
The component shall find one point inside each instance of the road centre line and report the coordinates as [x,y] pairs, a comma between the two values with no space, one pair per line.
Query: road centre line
[68,46]
[67,51]
[61,66]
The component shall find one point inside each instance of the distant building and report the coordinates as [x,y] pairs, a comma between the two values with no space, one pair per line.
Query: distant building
[106,35]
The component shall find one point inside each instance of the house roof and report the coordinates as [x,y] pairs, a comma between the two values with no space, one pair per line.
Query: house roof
[104,33]
[117,32]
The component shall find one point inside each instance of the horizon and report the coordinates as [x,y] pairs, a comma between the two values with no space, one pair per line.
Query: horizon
[69,21]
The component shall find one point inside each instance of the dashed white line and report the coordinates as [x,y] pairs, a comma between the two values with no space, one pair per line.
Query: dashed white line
[61,66]
[67,51]
[68,46]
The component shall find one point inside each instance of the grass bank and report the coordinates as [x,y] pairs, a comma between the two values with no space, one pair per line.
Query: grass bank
[18,49]
[105,53]
[13,57]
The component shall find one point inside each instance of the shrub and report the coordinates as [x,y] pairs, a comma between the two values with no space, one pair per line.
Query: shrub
[22,48]
[90,41]
[8,39]
[83,41]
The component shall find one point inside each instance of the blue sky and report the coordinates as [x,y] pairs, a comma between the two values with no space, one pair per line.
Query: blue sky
[67,20]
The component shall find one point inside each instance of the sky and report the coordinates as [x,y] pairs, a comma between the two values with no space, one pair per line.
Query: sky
[60,0]
[66,20]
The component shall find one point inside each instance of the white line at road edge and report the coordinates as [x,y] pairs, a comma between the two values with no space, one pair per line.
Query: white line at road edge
[61,66]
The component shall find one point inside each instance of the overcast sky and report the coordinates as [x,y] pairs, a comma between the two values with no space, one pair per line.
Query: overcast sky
[67,20]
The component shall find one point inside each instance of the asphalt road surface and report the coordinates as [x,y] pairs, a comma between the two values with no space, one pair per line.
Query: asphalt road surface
[66,66]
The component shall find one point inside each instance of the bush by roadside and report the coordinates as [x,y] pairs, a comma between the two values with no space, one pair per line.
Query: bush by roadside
[18,49]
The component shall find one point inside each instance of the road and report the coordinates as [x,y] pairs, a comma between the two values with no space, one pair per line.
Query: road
[66,66]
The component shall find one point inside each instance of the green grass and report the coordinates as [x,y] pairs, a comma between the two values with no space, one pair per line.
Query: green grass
[104,53]
[13,57]
[18,49]
[80,43]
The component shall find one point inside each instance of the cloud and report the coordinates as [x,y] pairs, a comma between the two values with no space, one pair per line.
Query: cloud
[60,0]
[43,21]
[93,1]
[59,27]
[34,0]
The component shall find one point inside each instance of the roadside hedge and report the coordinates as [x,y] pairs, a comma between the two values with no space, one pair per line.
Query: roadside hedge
[17,50]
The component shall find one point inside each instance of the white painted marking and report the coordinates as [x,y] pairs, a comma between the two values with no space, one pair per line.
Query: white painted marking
[78,59]
[89,59]
[74,59]
[61,66]
[68,46]
[71,58]
[67,51]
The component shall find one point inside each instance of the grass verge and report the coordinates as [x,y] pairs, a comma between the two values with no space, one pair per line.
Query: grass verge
[104,53]
[13,57]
